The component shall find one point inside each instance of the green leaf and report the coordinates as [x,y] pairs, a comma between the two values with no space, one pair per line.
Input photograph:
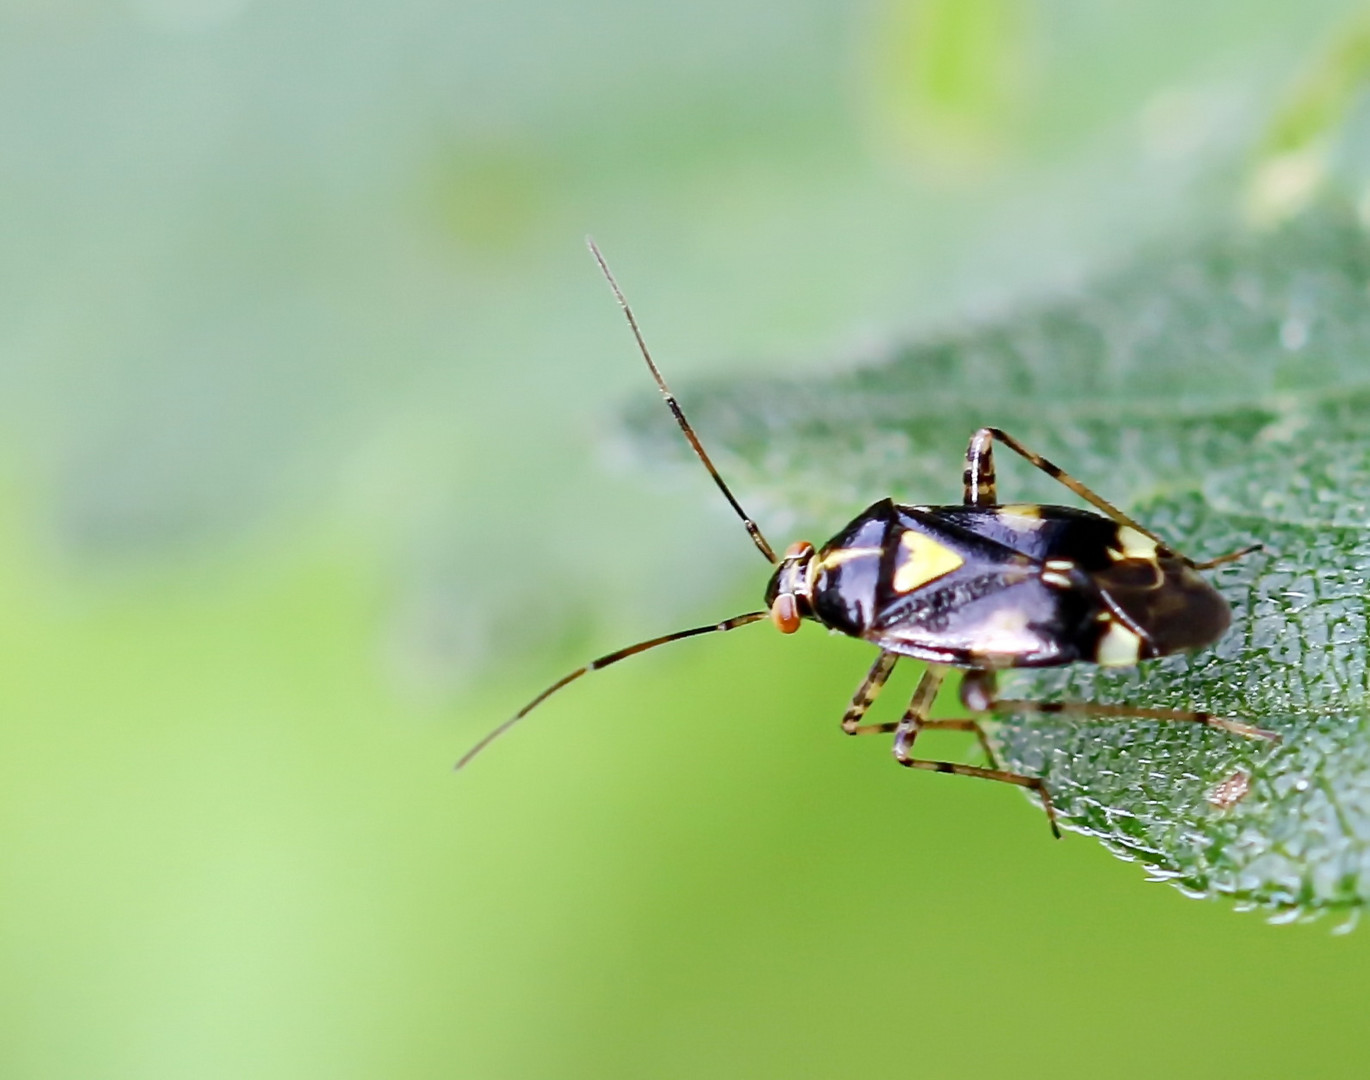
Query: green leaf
[1221,394]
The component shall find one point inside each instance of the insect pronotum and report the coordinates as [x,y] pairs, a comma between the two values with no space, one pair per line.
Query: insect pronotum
[980,586]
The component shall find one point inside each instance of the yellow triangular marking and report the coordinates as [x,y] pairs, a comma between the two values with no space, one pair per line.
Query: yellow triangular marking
[922,559]
[1118,647]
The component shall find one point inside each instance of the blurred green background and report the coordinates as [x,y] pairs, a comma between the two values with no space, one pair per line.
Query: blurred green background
[310,474]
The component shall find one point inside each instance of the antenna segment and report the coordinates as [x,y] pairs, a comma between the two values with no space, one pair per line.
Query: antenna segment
[752,529]
[603,662]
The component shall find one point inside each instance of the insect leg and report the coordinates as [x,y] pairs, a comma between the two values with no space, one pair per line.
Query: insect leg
[1098,710]
[960,725]
[927,690]
[870,687]
[1231,556]
[947,725]
[980,490]
[1059,474]
[915,720]
[979,688]
[979,693]
[935,725]
[978,479]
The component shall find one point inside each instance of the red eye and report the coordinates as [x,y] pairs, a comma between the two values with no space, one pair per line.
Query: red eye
[798,549]
[785,614]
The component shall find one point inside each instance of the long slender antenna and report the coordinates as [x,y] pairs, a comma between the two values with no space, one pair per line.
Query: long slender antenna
[753,530]
[603,662]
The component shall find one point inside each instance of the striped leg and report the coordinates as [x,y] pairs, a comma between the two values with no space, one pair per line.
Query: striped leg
[1231,556]
[867,692]
[985,438]
[919,704]
[1095,710]
[980,469]
[979,693]
[915,720]
[977,481]
[935,725]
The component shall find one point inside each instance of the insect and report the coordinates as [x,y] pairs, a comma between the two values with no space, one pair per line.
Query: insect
[980,586]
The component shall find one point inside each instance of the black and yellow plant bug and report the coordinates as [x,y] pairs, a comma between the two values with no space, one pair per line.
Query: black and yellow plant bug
[980,586]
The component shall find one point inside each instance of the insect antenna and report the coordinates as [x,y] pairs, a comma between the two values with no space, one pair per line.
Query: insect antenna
[603,662]
[752,528]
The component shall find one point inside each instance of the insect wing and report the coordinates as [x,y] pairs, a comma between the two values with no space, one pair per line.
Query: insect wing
[1040,533]
[1001,604]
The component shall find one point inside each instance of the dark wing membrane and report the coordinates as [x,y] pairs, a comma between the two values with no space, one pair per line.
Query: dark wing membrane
[1170,603]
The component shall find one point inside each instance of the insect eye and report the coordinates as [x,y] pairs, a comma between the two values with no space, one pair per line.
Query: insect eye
[798,550]
[785,613]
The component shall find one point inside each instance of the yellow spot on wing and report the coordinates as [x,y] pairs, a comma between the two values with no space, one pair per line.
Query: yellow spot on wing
[1134,545]
[1024,516]
[1119,647]
[922,559]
